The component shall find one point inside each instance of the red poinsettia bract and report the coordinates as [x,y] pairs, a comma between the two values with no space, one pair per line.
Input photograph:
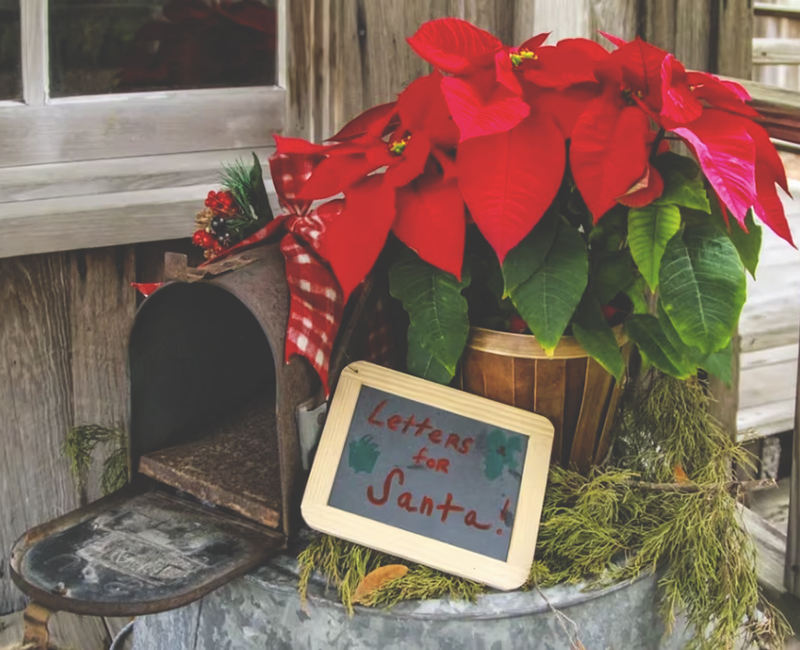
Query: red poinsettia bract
[611,148]
[416,197]
[495,127]
[515,108]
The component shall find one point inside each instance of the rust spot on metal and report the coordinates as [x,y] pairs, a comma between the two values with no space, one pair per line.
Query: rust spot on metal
[235,465]
[35,632]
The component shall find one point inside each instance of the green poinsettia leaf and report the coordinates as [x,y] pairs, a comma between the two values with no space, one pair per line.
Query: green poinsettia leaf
[548,298]
[612,229]
[645,331]
[649,230]
[748,244]
[702,286]
[422,363]
[683,184]
[637,294]
[689,358]
[613,273]
[669,161]
[596,337]
[685,357]
[437,311]
[720,364]
[528,256]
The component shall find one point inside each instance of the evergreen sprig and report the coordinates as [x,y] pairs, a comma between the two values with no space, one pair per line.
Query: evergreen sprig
[247,186]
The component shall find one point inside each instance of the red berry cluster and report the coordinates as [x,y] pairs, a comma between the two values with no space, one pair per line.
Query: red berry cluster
[222,202]
[204,239]
[213,234]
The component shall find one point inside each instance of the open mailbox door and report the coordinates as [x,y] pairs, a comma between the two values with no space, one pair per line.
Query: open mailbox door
[139,551]
[214,450]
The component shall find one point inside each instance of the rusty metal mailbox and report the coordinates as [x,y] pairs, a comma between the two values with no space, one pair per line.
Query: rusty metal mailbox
[216,462]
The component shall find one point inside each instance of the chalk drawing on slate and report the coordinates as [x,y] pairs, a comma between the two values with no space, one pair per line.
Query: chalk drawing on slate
[430,471]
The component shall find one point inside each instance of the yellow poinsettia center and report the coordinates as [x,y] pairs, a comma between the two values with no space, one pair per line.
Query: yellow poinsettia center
[628,95]
[521,55]
[399,146]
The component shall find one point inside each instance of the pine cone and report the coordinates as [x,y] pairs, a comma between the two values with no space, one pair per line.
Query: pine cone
[203,218]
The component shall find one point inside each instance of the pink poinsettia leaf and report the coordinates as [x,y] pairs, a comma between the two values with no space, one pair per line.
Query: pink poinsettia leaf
[646,190]
[679,105]
[374,121]
[430,220]
[476,116]
[769,207]
[454,45]
[738,89]
[509,179]
[767,155]
[353,239]
[609,151]
[719,94]
[726,153]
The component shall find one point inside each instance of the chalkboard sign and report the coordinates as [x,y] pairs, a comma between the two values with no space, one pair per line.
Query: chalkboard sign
[432,474]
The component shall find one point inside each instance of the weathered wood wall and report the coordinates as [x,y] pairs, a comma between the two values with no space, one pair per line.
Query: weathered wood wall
[348,55]
[64,317]
[64,321]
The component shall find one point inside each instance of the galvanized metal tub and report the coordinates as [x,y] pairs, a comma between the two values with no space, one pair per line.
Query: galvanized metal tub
[263,611]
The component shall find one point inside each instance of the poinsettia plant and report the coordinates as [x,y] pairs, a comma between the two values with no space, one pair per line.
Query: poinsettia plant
[535,188]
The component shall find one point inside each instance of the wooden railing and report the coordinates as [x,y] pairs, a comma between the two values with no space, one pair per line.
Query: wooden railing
[780,109]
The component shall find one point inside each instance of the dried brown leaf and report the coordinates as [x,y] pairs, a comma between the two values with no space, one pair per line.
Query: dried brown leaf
[377,578]
[680,475]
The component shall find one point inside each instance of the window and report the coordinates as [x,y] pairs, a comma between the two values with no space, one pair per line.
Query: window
[116,114]
[10,55]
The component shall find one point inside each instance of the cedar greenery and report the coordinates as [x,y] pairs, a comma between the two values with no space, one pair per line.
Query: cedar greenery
[611,526]
[80,444]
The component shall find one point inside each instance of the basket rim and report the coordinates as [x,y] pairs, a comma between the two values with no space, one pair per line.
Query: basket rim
[525,346]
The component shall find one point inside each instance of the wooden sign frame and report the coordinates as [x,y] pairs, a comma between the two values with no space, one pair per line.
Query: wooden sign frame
[504,575]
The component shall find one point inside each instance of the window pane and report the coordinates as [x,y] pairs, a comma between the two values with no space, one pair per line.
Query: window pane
[10,54]
[113,46]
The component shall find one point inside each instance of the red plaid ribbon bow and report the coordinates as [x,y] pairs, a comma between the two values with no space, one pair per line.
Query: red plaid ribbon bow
[317,302]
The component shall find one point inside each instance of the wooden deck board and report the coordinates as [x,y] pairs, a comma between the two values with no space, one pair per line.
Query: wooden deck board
[768,383]
[770,330]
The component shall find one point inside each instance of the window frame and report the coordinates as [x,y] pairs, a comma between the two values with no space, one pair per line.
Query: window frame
[100,170]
